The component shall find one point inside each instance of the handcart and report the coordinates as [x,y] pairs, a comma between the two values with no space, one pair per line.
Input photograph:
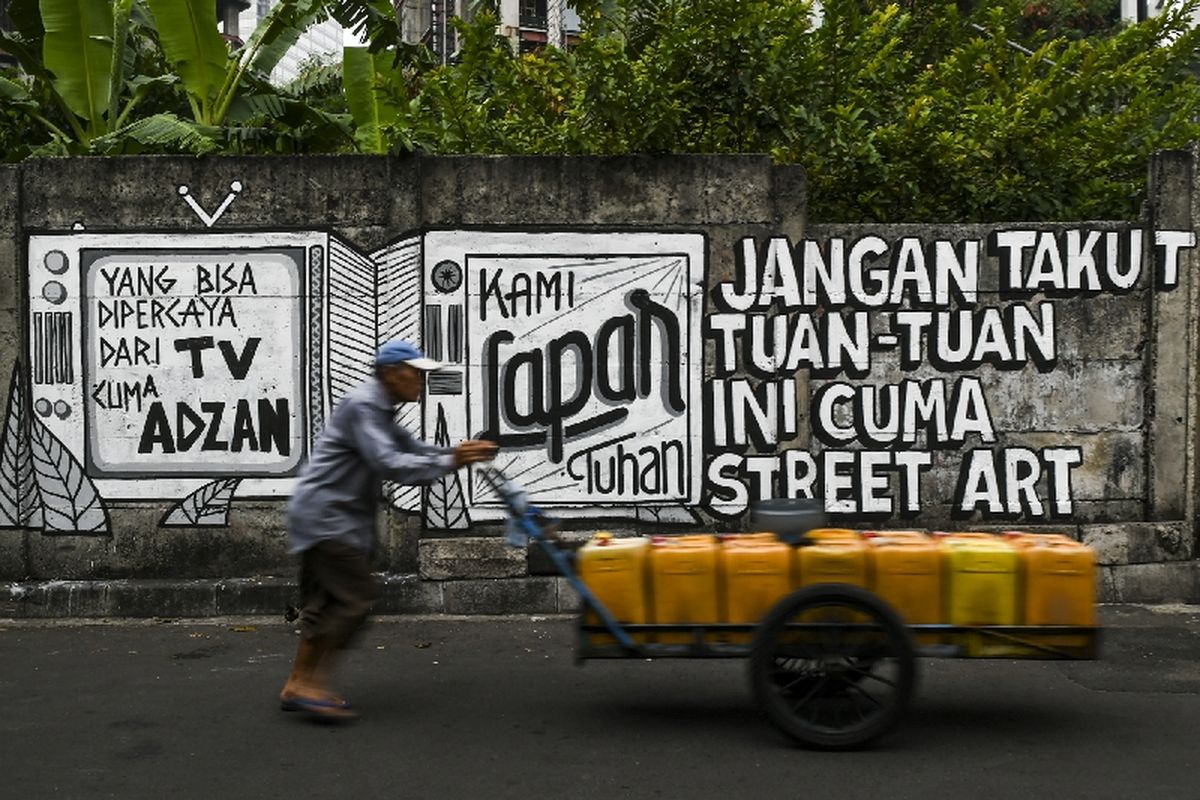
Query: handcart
[833,666]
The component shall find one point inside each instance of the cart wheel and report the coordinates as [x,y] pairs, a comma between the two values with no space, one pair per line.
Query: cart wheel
[833,666]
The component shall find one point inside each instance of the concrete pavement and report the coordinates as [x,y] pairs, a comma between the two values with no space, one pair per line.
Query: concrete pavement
[495,708]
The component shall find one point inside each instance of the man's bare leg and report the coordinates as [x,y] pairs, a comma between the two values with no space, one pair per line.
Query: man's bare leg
[300,682]
[311,676]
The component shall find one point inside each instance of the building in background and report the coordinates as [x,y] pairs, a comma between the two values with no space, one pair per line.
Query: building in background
[228,12]
[528,24]
[322,41]
[1139,10]
[5,59]
[1130,10]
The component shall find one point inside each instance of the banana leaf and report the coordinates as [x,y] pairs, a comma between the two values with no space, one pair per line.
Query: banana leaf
[14,95]
[273,37]
[143,83]
[187,32]
[25,53]
[17,47]
[280,29]
[160,133]
[26,19]
[372,21]
[120,36]
[371,112]
[77,49]
[253,118]
[322,80]
[258,106]
[139,87]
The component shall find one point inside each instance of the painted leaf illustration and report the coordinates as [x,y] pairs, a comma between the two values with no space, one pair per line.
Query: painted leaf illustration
[445,503]
[20,505]
[207,507]
[404,498]
[667,515]
[70,502]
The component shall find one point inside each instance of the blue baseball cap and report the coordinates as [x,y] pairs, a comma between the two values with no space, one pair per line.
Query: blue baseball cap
[398,351]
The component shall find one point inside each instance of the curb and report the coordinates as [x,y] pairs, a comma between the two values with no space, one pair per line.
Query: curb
[409,594]
[270,596]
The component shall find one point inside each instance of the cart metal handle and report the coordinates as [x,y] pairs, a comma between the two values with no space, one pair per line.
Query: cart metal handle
[528,518]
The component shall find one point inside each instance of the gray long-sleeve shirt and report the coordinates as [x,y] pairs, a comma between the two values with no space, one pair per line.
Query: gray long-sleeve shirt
[337,493]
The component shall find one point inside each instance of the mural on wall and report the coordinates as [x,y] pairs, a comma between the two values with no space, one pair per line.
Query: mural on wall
[579,353]
[20,501]
[198,368]
[834,308]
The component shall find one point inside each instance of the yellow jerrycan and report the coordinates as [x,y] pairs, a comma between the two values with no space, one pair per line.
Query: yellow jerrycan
[906,572]
[826,534]
[916,536]
[755,574]
[833,559]
[616,571]
[1060,586]
[981,575]
[684,582]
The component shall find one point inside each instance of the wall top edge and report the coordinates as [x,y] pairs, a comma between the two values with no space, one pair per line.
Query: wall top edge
[823,226]
[213,158]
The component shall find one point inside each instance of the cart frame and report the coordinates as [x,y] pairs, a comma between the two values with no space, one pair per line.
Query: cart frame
[813,653]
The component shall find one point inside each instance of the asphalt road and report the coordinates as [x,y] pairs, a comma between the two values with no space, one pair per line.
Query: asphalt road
[496,708]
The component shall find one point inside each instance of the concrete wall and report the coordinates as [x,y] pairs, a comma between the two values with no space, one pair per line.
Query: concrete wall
[687,326]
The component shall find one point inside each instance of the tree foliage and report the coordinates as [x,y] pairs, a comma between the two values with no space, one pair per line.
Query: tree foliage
[134,76]
[912,111]
[899,111]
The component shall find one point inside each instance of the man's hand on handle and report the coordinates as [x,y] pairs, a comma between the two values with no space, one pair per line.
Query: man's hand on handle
[472,451]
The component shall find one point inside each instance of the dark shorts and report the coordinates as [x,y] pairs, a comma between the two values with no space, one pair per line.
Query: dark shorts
[337,591]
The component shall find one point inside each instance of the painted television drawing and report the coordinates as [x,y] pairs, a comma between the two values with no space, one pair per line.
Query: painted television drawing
[199,368]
